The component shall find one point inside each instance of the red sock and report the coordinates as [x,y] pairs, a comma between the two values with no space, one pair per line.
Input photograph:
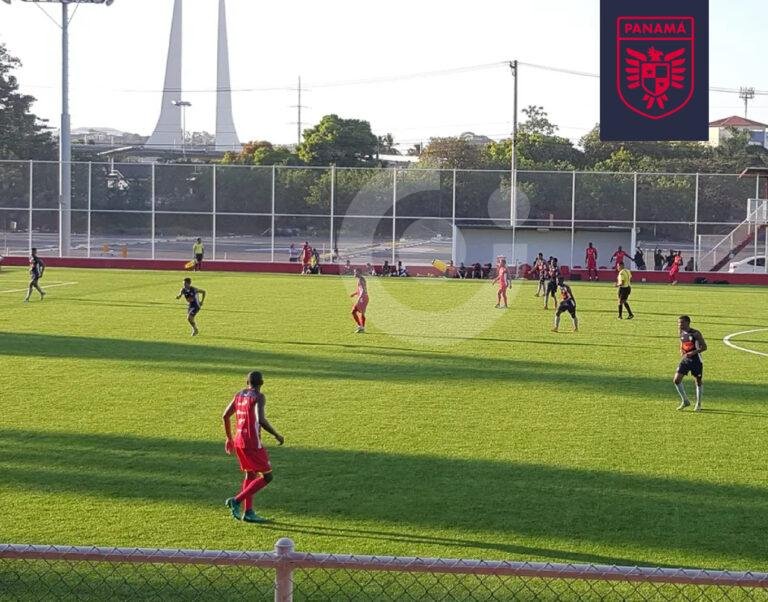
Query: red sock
[252,487]
[249,499]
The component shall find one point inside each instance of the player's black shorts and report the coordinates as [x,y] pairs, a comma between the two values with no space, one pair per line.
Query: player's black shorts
[199,258]
[692,365]
[569,306]
[551,287]
[624,292]
[193,309]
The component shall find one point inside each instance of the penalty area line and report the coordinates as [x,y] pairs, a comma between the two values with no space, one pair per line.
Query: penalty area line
[22,290]
[727,341]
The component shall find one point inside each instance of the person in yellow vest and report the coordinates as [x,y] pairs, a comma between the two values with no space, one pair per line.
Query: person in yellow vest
[623,280]
[198,250]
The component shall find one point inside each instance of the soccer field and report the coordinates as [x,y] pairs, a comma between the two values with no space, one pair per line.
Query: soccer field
[449,429]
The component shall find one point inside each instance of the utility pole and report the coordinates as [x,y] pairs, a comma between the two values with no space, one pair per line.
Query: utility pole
[298,108]
[746,94]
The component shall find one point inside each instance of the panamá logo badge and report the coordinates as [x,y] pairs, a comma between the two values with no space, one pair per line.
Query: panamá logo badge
[655,63]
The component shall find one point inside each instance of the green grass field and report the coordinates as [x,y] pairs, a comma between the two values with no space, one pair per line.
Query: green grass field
[449,429]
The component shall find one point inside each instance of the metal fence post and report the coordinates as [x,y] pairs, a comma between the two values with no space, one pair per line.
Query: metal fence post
[284,572]
[333,194]
[573,215]
[213,221]
[31,195]
[272,227]
[90,200]
[394,213]
[633,237]
[152,218]
[696,244]
[454,231]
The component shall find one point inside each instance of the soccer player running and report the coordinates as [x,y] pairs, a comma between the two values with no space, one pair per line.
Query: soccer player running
[198,250]
[619,256]
[553,273]
[567,303]
[591,260]
[36,270]
[502,278]
[194,297]
[249,407]
[623,281]
[358,309]
[692,345]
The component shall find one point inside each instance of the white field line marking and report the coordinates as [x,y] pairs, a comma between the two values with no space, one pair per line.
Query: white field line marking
[727,341]
[44,287]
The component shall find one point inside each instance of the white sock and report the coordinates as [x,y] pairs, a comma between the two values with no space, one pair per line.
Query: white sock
[681,390]
[698,395]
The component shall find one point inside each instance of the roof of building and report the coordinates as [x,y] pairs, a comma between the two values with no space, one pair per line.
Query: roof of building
[736,121]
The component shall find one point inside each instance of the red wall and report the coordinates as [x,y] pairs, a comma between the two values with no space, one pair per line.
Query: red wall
[295,268]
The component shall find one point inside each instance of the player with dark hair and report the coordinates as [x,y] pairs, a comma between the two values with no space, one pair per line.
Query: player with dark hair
[677,264]
[540,271]
[249,407]
[198,250]
[623,282]
[194,304]
[36,270]
[692,345]
[590,259]
[553,273]
[502,277]
[619,256]
[567,303]
[361,304]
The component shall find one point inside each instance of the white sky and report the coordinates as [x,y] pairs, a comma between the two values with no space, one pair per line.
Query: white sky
[118,62]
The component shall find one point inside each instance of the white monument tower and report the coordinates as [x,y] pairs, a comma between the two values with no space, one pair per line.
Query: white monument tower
[168,131]
[226,136]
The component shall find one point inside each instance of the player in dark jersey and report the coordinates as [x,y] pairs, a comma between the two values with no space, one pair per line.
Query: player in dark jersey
[692,345]
[194,297]
[553,273]
[36,270]
[249,407]
[567,303]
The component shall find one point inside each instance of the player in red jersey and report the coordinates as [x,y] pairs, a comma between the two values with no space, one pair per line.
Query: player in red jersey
[591,261]
[619,256]
[358,309]
[677,261]
[248,405]
[306,257]
[502,277]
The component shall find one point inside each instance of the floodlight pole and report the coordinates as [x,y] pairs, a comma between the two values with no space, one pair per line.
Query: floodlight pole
[65,143]
[513,166]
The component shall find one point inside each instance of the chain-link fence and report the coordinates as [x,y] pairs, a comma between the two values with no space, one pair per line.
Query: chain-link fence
[70,573]
[265,213]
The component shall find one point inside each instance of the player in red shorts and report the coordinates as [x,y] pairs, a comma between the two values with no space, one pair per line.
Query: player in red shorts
[619,257]
[358,310]
[677,261]
[248,405]
[503,279]
[306,257]
[591,261]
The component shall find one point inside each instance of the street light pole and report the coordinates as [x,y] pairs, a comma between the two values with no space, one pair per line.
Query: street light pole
[183,104]
[65,139]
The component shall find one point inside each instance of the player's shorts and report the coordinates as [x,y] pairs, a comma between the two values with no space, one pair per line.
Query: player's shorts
[253,460]
[624,292]
[591,265]
[569,306]
[361,305]
[193,309]
[693,365]
[199,258]
[551,287]
[34,277]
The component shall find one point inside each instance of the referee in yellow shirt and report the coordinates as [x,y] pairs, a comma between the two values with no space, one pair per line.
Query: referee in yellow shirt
[198,250]
[623,281]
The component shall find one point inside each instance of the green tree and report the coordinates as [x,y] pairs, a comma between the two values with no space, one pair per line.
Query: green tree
[23,135]
[341,142]
[453,153]
[536,122]
[261,152]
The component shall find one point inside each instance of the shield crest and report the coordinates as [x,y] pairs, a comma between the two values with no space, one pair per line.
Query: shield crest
[655,64]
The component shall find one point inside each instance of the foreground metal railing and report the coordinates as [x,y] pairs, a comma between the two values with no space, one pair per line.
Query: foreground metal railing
[33,572]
